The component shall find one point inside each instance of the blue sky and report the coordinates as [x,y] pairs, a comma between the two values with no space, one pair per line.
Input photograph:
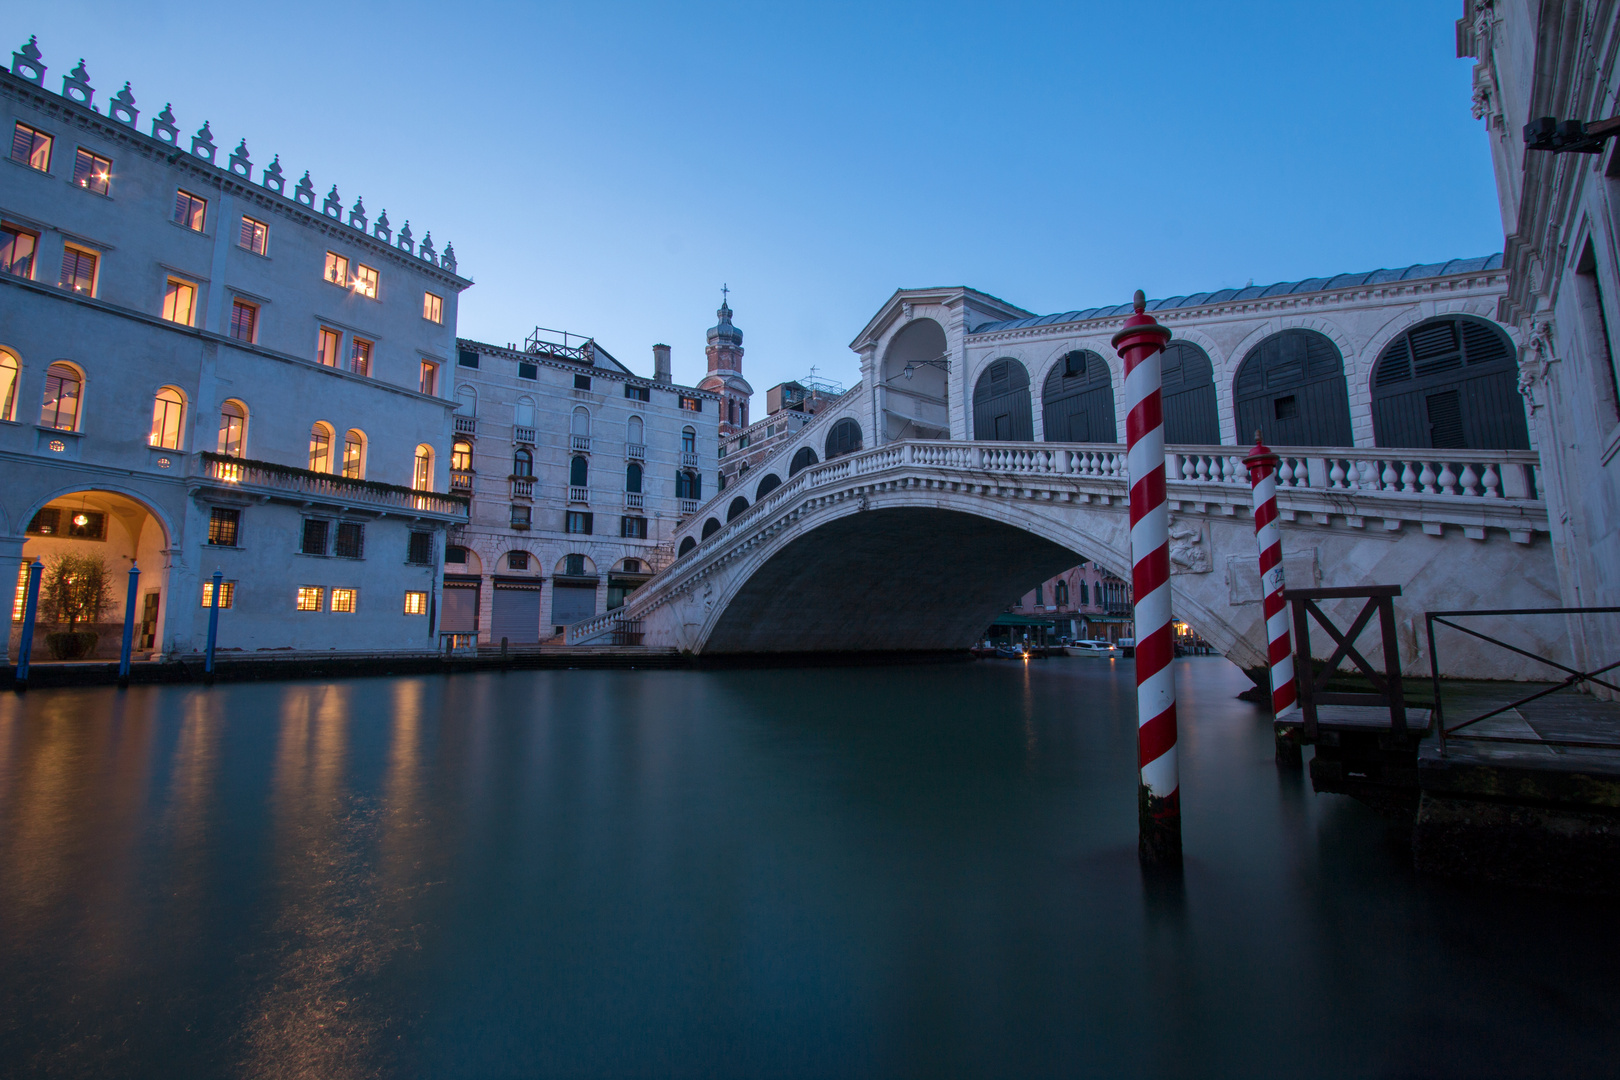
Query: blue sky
[604,167]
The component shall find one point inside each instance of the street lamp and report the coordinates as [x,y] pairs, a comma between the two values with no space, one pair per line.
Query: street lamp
[1569,136]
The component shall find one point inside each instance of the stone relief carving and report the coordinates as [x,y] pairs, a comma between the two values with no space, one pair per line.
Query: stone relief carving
[1535,358]
[1189,547]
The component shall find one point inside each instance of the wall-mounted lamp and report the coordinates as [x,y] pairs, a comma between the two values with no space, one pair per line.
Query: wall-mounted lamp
[941,362]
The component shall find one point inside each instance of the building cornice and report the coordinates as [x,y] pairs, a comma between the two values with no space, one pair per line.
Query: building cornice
[518,355]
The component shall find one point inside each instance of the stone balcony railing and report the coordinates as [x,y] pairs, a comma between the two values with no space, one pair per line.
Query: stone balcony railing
[287,484]
[689,459]
[635,451]
[580,443]
[522,436]
[466,425]
[686,506]
[579,494]
[522,487]
[461,480]
[633,500]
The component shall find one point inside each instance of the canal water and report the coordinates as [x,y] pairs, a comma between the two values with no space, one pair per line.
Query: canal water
[912,871]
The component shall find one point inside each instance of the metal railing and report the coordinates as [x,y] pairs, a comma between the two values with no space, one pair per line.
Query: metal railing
[1573,677]
[304,485]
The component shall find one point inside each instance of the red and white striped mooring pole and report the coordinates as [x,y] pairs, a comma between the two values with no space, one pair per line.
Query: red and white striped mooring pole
[1141,345]
[1262,465]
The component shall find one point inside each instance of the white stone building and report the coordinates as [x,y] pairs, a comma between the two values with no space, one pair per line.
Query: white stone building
[579,472]
[201,371]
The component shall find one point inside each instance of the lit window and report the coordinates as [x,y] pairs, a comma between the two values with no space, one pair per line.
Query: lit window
[354,455]
[360,357]
[691,404]
[430,378]
[227,593]
[79,271]
[351,540]
[17,248]
[320,448]
[432,307]
[8,385]
[92,171]
[244,320]
[422,474]
[310,597]
[179,302]
[61,406]
[189,210]
[365,281]
[337,269]
[224,525]
[31,147]
[314,538]
[167,409]
[326,350]
[255,236]
[416,603]
[343,600]
[461,454]
[232,428]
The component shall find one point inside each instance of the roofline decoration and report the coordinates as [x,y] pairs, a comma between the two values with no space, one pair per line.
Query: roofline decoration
[28,70]
[624,375]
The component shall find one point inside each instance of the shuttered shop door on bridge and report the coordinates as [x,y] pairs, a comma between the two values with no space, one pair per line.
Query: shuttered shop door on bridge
[460,609]
[516,613]
[571,603]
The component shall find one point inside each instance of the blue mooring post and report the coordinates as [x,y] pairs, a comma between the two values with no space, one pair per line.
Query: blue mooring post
[213,623]
[129,624]
[36,570]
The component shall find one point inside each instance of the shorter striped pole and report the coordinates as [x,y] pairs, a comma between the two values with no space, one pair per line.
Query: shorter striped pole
[1262,465]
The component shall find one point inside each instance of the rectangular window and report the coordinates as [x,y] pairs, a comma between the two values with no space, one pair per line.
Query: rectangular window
[343,600]
[365,282]
[432,307]
[351,540]
[528,371]
[416,603]
[633,527]
[314,539]
[79,271]
[360,357]
[224,526]
[337,269]
[579,521]
[31,147]
[244,320]
[320,449]
[92,171]
[190,211]
[17,248]
[430,378]
[517,560]
[691,404]
[467,358]
[168,407]
[227,593]
[45,522]
[420,551]
[582,382]
[637,393]
[179,302]
[84,525]
[255,236]
[310,597]
[327,348]
[574,565]
[522,517]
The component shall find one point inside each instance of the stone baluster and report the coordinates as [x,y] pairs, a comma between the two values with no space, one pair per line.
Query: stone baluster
[1448,479]
[1470,480]
[1409,479]
[1426,480]
[1391,478]
[1493,482]
[1336,475]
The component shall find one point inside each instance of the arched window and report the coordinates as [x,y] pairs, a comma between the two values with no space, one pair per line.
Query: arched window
[1449,384]
[168,414]
[1077,401]
[1191,416]
[844,438]
[63,388]
[1001,408]
[466,401]
[579,471]
[688,441]
[767,485]
[738,505]
[635,432]
[1290,388]
[9,371]
[320,447]
[1060,593]
[232,428]
[422,472]
[803,459]
[522,463]
[688,484]
[632,478]
[687,544]
[710,527]
[354,454]
[461,455]
[580,422]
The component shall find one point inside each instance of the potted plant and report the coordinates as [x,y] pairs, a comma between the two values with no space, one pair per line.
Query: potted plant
[76,591]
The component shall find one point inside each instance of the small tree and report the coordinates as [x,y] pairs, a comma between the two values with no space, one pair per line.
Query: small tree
[77,589]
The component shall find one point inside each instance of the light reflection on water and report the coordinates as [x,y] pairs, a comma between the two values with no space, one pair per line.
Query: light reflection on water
[804,872]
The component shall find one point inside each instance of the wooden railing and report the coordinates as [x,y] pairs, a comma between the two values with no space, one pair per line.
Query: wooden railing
[313,486]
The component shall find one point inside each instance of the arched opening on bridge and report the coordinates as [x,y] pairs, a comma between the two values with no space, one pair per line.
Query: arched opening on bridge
[1291,389]
[1449,384]
[1077,402]
[844,438]
[710,527]
[769,484]
[803,459]
[687,544]
[916,384]
[1191,416]
[1001,407]
[738,505]
[116,531]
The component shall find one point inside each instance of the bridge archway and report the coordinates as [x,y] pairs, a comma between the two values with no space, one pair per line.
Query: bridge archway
[767,485]
[916,386]
[687,544]
[803,459]
[1290,388]
[1001,405]
[1449,383]
[844,438]
[1077,401]
[711,527]
[1191,413]
[738,505]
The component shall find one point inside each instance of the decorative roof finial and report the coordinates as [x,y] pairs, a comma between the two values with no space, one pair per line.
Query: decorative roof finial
[1139,301]
[724,293]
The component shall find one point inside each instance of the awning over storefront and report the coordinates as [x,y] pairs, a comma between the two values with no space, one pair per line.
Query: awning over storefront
[1009,619]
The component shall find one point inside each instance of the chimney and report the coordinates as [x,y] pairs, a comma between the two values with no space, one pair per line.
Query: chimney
[661,363]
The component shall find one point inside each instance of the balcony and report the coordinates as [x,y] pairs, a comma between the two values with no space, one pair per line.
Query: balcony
[461,480]
[632,500]
[578,494]
[523,487]
[580,443]
[635,451]
[689,459]
[282,483]
[523,436]
[687,506]
[466,425]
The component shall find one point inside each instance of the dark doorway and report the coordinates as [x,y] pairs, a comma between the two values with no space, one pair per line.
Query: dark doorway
[1191,416]
[1077,402]
[1001,406]
[1291,389]
[1449,384]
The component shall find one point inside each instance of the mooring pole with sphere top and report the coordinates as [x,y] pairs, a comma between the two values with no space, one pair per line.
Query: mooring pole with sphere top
[1262,463]
[1141,346]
